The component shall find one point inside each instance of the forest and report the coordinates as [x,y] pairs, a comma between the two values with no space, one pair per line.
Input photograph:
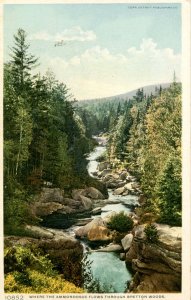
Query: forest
[48,134]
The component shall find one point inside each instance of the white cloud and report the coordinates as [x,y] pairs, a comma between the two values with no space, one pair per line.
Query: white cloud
[71,34]
[99,73]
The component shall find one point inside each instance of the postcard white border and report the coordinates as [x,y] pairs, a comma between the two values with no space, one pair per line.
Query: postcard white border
[186,145]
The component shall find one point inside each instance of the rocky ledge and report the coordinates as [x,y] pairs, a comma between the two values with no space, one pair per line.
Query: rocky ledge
[52,200]
[65,252]
[157,265]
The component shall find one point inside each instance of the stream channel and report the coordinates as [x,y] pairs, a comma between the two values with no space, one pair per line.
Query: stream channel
[105,267]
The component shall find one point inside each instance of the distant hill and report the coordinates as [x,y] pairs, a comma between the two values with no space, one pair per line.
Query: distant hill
[127,96]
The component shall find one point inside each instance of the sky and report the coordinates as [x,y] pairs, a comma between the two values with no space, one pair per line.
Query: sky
[107,49]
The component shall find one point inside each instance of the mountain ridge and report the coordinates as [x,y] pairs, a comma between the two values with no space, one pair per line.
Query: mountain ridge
[148,89]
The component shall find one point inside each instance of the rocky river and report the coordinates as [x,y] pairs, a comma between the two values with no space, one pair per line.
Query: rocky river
[75,234]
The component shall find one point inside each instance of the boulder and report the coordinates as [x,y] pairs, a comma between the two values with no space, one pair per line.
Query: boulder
[119,191]
[122,256]
[96,211]
[120,184]
[72,203]
[127,241]
[123,175]
[82,232]
[111,184]
[44,209]
[76,194]
[87,203]
[40,232]
[93,193]
[129,186]
[105,172]
[51,195]
[99,233]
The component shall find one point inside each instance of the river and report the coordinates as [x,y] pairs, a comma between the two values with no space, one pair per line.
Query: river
[106,267]
[104,271]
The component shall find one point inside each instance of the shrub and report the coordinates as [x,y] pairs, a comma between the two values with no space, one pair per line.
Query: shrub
[120,222]
[40,283]
[151,233]
[28,271]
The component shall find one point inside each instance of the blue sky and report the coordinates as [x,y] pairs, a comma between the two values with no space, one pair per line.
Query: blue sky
[108,48]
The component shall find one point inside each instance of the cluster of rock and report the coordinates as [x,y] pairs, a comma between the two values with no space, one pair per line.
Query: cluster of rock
[157,265]
[119,180]
[52,200]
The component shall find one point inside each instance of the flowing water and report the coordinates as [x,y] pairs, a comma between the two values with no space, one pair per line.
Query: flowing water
[106,268]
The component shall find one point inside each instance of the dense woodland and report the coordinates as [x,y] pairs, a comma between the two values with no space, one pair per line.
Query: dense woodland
[144,136]
[44,138]
[47,136]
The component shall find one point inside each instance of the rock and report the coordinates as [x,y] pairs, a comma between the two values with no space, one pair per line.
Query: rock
[105,172]
[170,238]
[128,178]
[119,191]
[122,256]
[156,262]
[96,211]
[87,203]
[83,222]
[110,248]
[125,193]
[82,232]
[67,210]
[157,283]
[40,232]
[51,195]
[123,175]
[104,165]
[72,203]
[110,184]
[99,233]
[129,186]
[126,241]
[44,209]
[108,217]
[76,194]
[93,193]
[64,251]
[120,184]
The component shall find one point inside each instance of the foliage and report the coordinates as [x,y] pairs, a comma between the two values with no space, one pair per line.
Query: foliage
[39,283]
[29,271]
[120,222]
[147,140]
[151,233]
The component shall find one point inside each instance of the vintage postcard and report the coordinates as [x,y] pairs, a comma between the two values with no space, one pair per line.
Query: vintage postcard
[95,120]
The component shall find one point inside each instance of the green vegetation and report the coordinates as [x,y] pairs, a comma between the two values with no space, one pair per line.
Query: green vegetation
[29,271]
[45,140]
[120,222]
[151,233]
[145,137]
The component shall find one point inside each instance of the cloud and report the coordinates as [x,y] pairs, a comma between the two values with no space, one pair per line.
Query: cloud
[99,73]
[71,34]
